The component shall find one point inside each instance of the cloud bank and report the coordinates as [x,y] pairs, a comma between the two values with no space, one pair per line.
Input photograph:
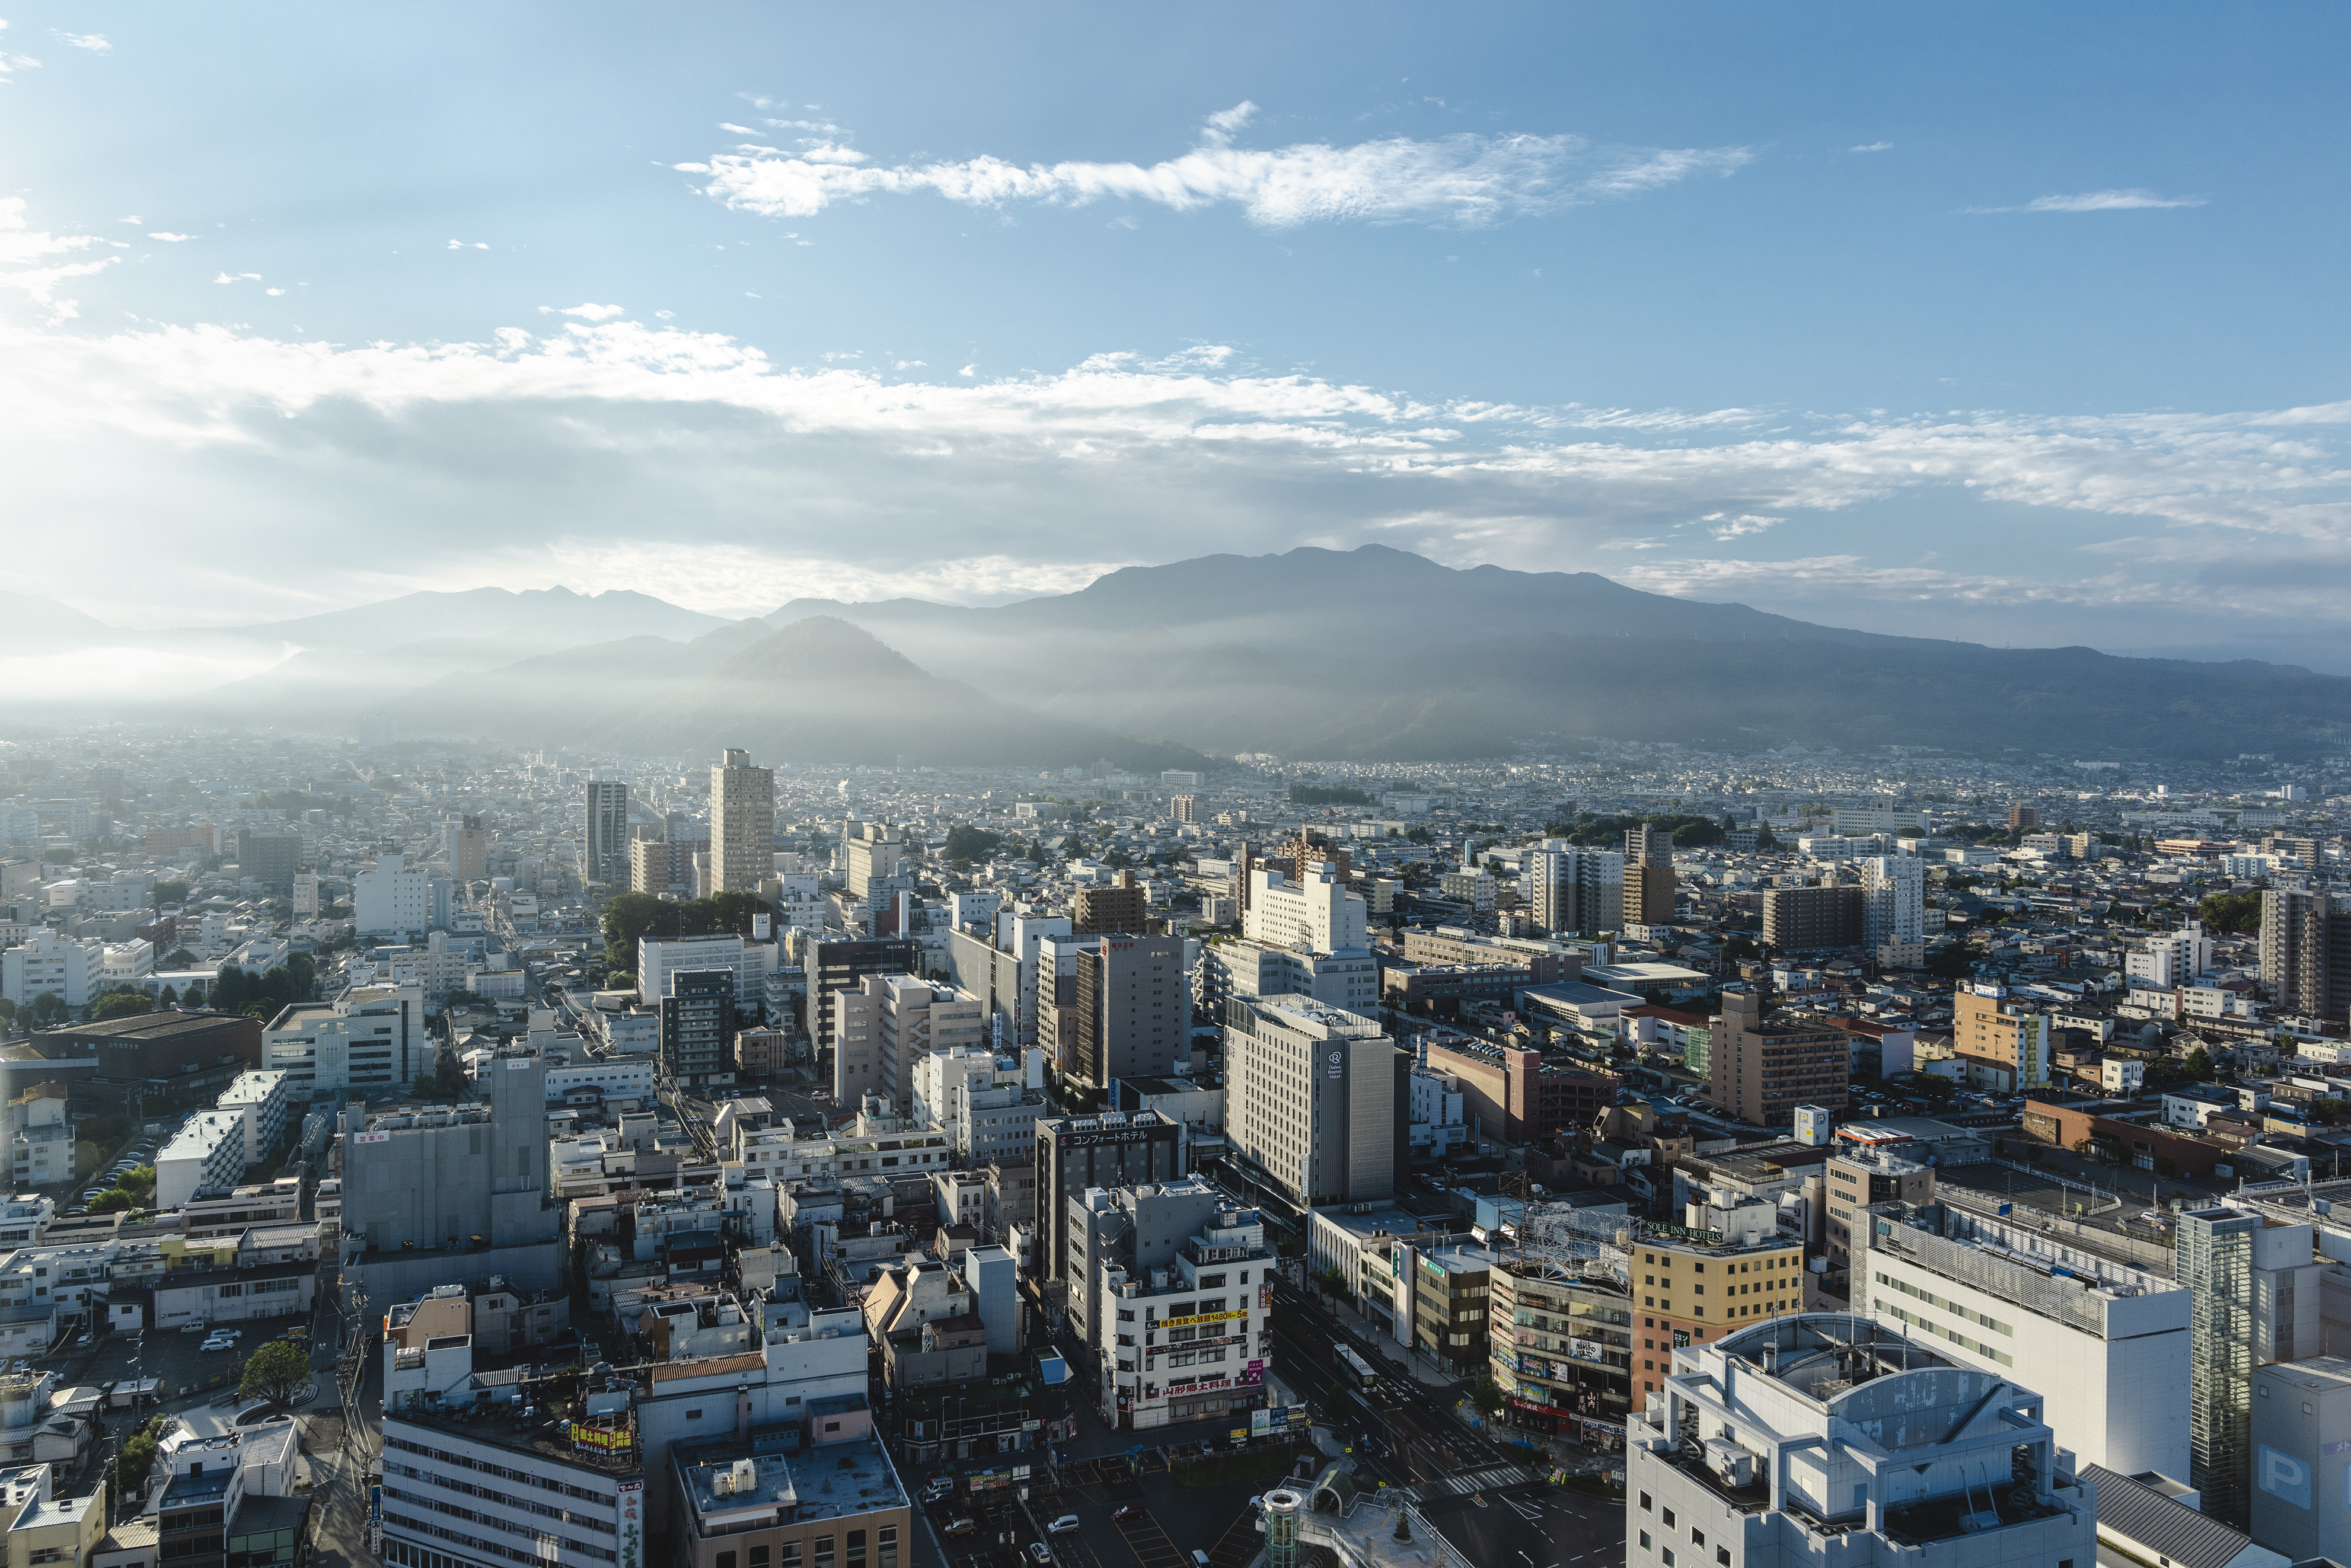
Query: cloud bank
[1463,181]
[606,452]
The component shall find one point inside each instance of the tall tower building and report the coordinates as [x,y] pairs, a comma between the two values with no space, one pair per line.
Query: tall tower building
[1895,889]
[742,824]
[604,847]
[469,847]
[1648,876]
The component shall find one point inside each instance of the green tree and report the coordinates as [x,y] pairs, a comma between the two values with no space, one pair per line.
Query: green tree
[276,1372]
[2233,913]
[2199,1065]
[112,1199]
[171,892]
[180,959]
[122,1004]
[136,1457]
[48,1008]
[967,842]
[1487,1397]
[167,998]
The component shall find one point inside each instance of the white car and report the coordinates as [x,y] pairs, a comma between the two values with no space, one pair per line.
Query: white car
[216,1342]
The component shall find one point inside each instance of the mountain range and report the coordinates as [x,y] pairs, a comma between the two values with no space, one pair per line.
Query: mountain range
[1371,654]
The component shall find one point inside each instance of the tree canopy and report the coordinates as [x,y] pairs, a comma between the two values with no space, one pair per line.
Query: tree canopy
[967,842]
[2230,914]
[1608,833]
[630,917]
[275,1372]
[239,990]
[122,1004]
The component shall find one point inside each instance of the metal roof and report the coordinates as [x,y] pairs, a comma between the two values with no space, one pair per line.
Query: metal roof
[2157,1525]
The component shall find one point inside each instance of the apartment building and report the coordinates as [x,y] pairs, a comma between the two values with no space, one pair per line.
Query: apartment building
[2004,1045]
[742,824]
[1761,1066]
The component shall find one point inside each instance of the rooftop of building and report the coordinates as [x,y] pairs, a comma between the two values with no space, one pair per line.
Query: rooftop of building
[731,1482]
[148,1025]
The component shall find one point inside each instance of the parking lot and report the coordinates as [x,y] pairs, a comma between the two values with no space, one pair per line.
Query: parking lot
[175,1359]
[1165,1520]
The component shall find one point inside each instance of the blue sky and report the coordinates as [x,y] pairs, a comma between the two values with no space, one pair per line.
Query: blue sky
[1999,323]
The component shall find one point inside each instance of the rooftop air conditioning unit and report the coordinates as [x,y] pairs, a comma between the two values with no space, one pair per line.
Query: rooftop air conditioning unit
[1732,1465]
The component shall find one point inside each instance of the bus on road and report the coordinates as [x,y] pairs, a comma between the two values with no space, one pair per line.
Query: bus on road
[1359,1371]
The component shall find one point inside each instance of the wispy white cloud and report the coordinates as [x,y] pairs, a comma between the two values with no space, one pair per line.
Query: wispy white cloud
[585,312]
[1463,181]
[239,277]
[1872,147]
[29,264]
[1726,526]
[2097,201]
[468,244]
[94,42]
[172,238]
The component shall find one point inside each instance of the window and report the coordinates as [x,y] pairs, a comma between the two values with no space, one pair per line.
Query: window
[1667,1518]
[1722,1556]
[1644,1503]
[1644,1540]
[1697,1538]
[727,1559]
[694,1415]
[792,1554]
[759,1557]
[824,1551]
[856,1549]
[886,1539]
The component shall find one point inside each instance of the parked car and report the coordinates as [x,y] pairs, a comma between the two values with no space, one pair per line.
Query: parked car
[216,1342]
[1062,1525]
[964,1526]
[1126,1511]
[194,1325]
[1040,1552]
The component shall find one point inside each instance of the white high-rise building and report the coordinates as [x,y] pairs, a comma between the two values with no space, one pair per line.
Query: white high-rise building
[391,900]
[1315,911]
[1895,887]
[2172,958]
[45,963]
[1829,1436]
[1572,889]
[742,824]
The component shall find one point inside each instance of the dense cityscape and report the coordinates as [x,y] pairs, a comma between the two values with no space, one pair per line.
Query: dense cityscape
[694,1138]
[1211,786]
